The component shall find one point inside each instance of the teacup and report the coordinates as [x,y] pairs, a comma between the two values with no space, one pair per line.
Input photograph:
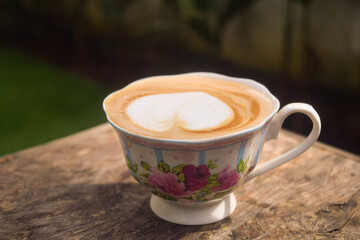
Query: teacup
[192,180]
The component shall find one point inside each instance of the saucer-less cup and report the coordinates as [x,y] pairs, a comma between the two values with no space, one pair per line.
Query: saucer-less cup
[192,180]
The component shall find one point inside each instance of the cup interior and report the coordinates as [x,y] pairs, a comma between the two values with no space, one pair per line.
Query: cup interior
[248,82]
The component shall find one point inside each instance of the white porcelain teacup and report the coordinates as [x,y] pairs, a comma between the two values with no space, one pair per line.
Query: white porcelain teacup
[192,180]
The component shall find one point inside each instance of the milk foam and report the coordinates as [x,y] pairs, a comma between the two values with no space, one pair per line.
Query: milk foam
[187,107]
[192,111]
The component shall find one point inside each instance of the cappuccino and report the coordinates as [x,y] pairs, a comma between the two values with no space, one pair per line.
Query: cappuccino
[187,107]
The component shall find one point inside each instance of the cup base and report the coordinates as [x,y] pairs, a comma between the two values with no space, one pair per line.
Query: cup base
[194,214]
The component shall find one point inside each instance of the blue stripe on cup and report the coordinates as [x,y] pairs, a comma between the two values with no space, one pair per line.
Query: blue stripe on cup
[241,152]
[158,154]
[202,157]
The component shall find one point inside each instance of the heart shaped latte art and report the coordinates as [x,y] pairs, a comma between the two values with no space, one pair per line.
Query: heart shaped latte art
[191,111]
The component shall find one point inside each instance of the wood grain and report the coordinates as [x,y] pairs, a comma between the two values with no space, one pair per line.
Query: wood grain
[79,187]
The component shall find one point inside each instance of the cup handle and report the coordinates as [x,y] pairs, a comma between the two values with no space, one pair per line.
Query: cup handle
[274,129]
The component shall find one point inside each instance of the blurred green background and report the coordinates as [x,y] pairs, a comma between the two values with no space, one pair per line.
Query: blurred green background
[60,58]
[42,102]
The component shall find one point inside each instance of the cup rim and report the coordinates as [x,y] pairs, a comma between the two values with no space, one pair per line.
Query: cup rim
[249,82]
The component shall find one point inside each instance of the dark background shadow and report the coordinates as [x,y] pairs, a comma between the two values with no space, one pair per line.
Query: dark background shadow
[303,50]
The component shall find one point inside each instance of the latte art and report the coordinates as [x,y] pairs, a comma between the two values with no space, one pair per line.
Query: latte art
[191,111]
[187,107]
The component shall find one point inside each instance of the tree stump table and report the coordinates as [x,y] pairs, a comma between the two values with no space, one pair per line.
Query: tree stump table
[79,187]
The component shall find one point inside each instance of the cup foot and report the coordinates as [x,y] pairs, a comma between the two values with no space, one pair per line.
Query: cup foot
[194,214]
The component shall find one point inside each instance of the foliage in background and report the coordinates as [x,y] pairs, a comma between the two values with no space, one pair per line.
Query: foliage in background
[202,19]
[39,102]
[306,50]
[293,39]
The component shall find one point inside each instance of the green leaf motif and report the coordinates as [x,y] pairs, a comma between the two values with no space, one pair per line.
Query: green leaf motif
[206,189]
[144,175]
[214,184]
[135,168]
[145,166]
[240,167]
[127,160]
[129,165]
[219,195]
[132,167]
[247,160]
[213,180]
[211,165]
[243,166]
[202,193]
[163,167]
[168,197]
[187,198]
[178,169]
[181,177]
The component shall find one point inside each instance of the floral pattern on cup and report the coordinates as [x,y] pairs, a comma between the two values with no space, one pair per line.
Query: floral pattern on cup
[187,182]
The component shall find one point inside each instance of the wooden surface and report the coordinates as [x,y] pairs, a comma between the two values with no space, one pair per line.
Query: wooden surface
[79,187]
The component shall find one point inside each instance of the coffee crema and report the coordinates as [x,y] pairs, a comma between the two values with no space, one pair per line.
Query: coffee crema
[187,107]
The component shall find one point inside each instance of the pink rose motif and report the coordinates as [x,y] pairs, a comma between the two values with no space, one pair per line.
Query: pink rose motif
[195,177]
[227,178]
[167,183]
